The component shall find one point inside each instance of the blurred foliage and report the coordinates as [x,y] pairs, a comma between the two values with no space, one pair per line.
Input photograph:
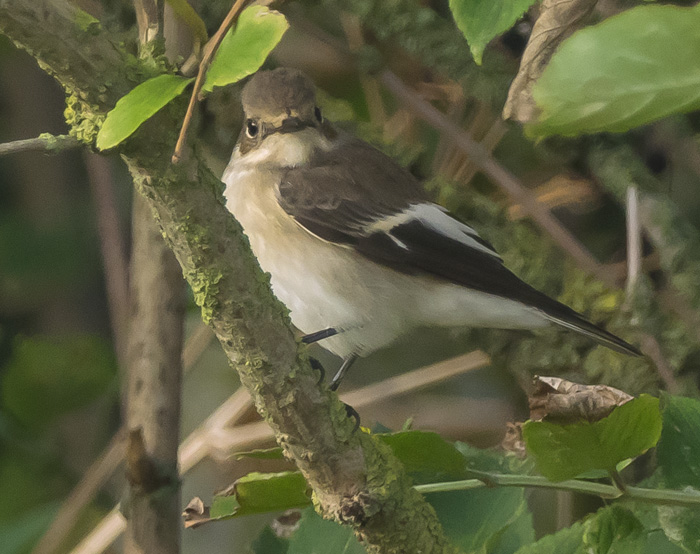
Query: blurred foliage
[48,378]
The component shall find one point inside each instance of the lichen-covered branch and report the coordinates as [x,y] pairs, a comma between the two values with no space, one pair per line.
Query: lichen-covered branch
[355,479]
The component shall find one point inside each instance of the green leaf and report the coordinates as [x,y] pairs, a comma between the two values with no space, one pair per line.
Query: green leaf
[137,106]
[679,448]
[48,377]
[245,48]
[426,456]
[632,68]
[269,543]
[614,530]
[316,535]
[187,13]
[482,20]
[566,541]
[475,520]
[565,451]
[516,535]
[257,493]
[681,525]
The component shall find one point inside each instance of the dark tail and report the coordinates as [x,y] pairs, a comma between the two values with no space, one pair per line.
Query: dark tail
[577,323]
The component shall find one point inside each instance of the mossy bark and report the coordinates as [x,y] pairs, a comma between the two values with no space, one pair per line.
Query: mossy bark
[356,480]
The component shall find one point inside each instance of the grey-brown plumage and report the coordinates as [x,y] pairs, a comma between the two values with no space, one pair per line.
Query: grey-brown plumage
[351,240]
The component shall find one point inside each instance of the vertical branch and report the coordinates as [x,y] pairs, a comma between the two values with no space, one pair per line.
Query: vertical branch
[113,249]
[634,241]
[154,368]
[153,398]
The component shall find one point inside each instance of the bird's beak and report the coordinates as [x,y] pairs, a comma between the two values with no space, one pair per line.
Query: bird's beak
[292,124]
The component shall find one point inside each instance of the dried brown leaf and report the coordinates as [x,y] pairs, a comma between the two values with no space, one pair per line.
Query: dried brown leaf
[196,513]
[558,19]
[513,440]
[560,400]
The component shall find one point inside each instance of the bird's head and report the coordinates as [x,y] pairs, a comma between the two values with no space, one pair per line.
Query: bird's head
[278,103]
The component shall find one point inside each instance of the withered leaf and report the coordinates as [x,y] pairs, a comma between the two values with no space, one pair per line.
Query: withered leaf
[563,401]
[195,513]
[558,19]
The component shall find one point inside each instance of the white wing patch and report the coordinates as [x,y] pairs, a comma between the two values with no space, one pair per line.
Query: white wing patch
[437,219]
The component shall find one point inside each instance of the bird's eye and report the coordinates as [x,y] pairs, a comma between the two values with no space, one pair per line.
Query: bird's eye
[317,113]
[251,128]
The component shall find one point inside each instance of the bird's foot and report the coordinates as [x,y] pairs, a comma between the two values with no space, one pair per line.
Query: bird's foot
[315,364]
[352,413]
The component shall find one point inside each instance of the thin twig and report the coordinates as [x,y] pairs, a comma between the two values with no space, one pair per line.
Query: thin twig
[634,242]
[209,51]
[43,143]
[499,175]
[638,494]
[651,347]
[112,247]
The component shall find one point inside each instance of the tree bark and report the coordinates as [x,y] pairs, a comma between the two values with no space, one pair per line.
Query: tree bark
[153,400]
[355,479]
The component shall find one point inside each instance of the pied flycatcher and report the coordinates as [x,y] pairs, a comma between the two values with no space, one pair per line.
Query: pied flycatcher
[353,245]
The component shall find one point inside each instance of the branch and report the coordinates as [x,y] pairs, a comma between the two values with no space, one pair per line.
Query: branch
[157,303]
[355,478]
[636,494]
[50,144]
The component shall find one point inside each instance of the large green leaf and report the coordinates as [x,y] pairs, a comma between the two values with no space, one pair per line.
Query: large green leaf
[426,456]
[482,20]
[316,535]
[566,541]
[257,493]
[565,451]
[137,106]
[679,448]
[475,520]
[245,48]
[47,377]
[632,68]
[267,542]
[516,535]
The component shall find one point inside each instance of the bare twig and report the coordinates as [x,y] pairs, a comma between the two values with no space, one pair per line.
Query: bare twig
[652,348]
[43,143]
[499,175]
[634,241]
[112,247]
[209,51]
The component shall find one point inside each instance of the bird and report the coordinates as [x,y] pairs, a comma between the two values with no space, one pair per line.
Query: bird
[353,244]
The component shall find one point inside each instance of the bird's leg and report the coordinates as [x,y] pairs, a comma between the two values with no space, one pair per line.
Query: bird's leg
[315,364]
[352,412]
[347,362]
[319,335]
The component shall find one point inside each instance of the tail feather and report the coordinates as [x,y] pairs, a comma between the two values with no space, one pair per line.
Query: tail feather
[577,323]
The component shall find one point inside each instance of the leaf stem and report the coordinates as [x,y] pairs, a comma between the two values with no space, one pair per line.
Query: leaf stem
[638,494]
[209,51]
